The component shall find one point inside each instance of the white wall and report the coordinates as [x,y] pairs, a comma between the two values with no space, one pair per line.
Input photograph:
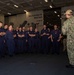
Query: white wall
[35,16]
[17,19]
[30,17]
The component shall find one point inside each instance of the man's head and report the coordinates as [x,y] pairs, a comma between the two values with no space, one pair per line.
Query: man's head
[23,28]
[31,28]
[44,26]
[5,26]
[10,28]
[55,27]
[68,13]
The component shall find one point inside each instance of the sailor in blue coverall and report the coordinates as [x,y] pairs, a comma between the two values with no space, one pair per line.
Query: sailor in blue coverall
[5,43]
[16,40]
[44,39]
[31,39]
[1,40]
[49,39]
[24,39]
[55,38]
[27,39]
[10,40]
[37,41]
[20,40]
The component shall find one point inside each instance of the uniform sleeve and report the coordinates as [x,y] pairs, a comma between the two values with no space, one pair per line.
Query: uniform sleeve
[65,28]
[6,35]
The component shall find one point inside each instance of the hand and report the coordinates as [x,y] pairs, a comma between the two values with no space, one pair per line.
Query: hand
[1,34]
[49,37]
[14,35]
[44,33]
[4,41]
[26,40]
[22,35]
[47,34]
[51,40]
[58,40]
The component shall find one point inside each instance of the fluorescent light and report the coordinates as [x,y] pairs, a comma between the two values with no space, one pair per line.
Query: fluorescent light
[50,6]
[9,13]
[25,10]
[46,0]
[16,6]
[55,12]
[58,15]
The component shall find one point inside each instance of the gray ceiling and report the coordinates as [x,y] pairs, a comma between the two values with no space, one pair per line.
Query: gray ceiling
[8,5]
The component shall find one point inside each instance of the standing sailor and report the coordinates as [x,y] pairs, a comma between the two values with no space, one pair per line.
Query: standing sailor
[31,39]
[1,40]
[44,39]
[10,40]
[55,38]
[37,40]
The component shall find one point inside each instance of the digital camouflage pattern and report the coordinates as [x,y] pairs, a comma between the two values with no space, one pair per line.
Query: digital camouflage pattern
[68,29]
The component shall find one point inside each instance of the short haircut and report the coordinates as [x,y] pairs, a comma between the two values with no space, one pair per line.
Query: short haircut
[1,22]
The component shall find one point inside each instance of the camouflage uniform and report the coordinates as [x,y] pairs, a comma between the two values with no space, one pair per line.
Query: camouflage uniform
[68,29]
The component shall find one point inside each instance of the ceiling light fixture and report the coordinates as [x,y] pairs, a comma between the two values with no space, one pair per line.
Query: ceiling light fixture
[16,6]
[58,15]
[55,12]
[9,13]
[25,10]
[50,6]
[46,0]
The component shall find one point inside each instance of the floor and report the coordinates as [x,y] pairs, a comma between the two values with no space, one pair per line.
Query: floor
[35,64]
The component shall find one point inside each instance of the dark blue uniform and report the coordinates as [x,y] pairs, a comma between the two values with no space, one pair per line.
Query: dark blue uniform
[49,41]
[16,40]
[10,42]
[20,42]
[31,41]
[27,41]
[37,42]
[44,41]
[5,43]
[55,36]
[24,41]
[1,43]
